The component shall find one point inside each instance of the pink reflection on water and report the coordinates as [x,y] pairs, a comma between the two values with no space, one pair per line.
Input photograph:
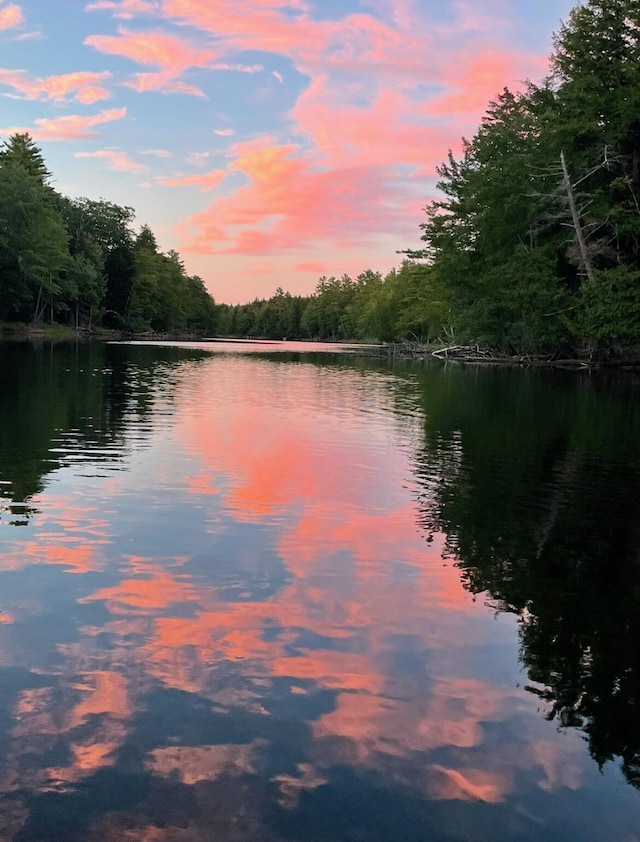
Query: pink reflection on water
[319,458]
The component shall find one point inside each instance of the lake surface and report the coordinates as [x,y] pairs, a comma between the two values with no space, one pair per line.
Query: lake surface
[255,595]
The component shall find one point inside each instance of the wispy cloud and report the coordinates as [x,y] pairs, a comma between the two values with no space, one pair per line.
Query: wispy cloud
[125,9]
[171,54]
[84,86]
[159,49]
[238,68]
[117,161]
[198,159]
[204,181]
[156,153]
[164,83]
[69,127]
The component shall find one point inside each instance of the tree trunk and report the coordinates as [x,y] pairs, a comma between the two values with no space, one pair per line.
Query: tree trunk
[582,245]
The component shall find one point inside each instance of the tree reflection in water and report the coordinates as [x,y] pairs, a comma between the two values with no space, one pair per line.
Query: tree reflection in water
[539,499]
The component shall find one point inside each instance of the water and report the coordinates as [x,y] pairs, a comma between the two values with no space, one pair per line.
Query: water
[255,595]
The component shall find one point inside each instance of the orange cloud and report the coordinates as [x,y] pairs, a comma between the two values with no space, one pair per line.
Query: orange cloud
[10,17]
[469,85]
[89,95]
[145,595]
[370,118]
[83,85]
[74,559]
[173,55]
[117,161]
[70,127]
[467,785]
[205,181]
[159,49]
[291,203]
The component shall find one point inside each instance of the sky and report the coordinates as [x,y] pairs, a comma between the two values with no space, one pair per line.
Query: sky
[270,142]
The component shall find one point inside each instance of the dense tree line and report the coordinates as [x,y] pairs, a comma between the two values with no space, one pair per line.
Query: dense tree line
[536,241]
[369,307]
[79,262]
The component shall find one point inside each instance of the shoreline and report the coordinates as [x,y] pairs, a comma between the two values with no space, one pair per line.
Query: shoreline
[408,351]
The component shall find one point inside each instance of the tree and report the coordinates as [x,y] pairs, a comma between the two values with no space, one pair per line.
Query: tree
[498,227]
[20,150]
[146,240]
[33,244]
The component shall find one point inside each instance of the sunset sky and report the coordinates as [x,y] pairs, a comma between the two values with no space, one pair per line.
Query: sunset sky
[269,141]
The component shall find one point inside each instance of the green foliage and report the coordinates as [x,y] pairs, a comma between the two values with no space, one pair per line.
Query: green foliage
[79,261]
[33,244]
[610,307]
[498,237]
[20,151]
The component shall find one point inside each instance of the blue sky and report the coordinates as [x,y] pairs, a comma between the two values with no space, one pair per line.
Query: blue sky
[269,141]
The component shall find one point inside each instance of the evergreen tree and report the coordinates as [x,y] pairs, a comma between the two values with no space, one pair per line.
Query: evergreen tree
[20,150]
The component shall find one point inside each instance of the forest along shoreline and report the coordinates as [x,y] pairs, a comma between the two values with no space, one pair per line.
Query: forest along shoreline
[531,253]
[408,351]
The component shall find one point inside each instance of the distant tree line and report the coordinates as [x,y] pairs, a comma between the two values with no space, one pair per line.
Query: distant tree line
[79,262]
[368,307]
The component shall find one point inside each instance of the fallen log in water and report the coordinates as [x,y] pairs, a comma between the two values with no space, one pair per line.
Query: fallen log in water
[415,350]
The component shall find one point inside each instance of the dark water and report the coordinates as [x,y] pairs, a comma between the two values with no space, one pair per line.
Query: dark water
[254,596]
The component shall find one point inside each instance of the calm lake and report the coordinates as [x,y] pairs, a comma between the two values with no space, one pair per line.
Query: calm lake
[262,594]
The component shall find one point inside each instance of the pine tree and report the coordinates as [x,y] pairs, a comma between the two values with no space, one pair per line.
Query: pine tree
[20,150]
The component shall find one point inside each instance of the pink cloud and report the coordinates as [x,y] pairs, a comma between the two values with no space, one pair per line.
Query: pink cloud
[69,127]
[340,196]
[390,128]
[372,135]
[359,43]
[158,49]
[467,784]
[117,161]
[165,83]
[89,95]
[82,85]
[246,25]
[10,16]
[171,54]
[470,85]
[205,181]
[389,93]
